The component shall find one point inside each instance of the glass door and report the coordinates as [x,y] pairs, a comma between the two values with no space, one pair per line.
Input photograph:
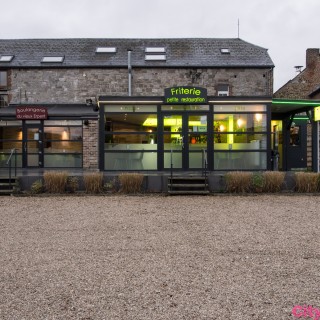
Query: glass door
[33,145]
[185,139]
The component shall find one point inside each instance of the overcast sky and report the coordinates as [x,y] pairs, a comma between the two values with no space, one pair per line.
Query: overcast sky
[285,27]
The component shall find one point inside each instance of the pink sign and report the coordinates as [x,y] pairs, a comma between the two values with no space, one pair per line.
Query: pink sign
[31,113]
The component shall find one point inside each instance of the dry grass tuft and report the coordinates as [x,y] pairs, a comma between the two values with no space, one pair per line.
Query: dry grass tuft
[131,182]
[93,182]
[55,181]
[273,181]
[307,181]
[238,181]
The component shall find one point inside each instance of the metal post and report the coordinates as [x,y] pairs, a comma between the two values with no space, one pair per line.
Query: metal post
[171,166]
[129,73]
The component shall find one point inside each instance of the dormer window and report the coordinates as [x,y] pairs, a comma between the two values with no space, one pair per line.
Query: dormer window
[223,90]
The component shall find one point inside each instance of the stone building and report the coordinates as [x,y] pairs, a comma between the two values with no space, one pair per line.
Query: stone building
[303,89]
[136,104]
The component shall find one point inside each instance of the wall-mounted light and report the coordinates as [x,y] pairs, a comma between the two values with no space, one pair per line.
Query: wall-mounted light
[89,102]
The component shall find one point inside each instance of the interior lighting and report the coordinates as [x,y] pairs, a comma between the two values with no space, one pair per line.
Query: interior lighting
[258,117]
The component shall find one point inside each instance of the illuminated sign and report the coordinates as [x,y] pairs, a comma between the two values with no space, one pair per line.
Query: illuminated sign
[185,95]
[31,113]
[317,114]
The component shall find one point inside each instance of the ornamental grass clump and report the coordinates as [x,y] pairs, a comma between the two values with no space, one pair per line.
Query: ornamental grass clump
[131,182]
[273,181]
[93,182]
[238,181]
[307,182]
[55,181]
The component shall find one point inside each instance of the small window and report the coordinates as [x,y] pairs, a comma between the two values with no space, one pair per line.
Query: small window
[106,50]
[155,50]
[6,58]
[155,57]
[3,100]
[223,90]
[294,135]
[53,59]
[225,51]
[3,80]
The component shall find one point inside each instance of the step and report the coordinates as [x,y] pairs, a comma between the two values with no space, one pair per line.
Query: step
[191,192]
[7,185]
[4,192]
[187,185]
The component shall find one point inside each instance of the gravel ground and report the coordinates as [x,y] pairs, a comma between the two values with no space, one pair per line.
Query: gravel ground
[158,257]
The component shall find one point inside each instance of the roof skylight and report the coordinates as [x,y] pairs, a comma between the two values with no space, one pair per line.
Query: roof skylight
[106,50]
[52,59]
[225,51]
[155,57]
[155,50]
[6,58]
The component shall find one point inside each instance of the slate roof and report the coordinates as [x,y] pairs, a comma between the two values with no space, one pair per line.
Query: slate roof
[197,52]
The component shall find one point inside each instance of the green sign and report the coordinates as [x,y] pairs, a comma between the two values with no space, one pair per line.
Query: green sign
[185,95]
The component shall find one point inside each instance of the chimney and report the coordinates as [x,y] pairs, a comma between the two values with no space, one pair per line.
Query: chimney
[312,58]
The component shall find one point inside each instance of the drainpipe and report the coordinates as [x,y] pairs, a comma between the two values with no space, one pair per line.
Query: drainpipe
[129,73]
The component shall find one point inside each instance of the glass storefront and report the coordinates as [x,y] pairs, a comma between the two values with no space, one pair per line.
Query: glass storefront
[130,138]
[240,137]
[48,144]
[10,138]
[62,143]
[158,137]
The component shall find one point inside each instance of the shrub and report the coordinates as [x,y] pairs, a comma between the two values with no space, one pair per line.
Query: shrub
[37,187]
[131,182]
[257,182]
[55,181]
[93,182]
[273,181]
[306,181]
[238,181]
[72,184]
[112,185]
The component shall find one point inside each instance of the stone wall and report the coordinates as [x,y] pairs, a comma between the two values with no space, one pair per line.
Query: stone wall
[90,145]
[75,85]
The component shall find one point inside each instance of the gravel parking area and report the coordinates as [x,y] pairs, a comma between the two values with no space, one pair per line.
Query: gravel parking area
[158,257]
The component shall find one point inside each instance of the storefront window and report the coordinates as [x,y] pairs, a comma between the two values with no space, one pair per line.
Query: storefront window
[131,138]
[63,144]
[235,134]
[10,138]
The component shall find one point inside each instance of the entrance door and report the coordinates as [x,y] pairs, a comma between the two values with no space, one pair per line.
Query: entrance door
[185,140]
[296,145]
[33,145]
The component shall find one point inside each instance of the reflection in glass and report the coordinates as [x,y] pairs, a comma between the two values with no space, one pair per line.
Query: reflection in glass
[240,160]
